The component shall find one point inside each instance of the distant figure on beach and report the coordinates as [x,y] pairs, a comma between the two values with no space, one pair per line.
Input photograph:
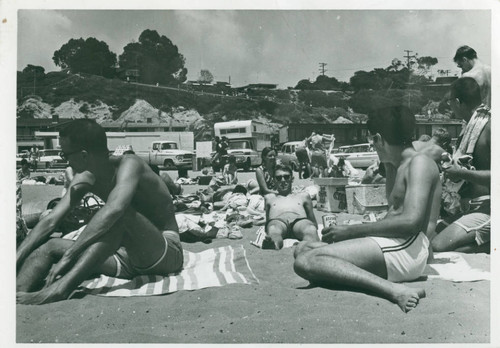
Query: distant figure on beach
[467,60]
[134,233]
[375,257]
[470,230]
[230,170]
[288,215]
[264,173]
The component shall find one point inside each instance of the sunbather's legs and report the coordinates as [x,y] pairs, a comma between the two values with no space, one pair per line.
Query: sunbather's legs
[276,231]
[304,230]
[452,238]
[357,263]
[36,267]
[143,242]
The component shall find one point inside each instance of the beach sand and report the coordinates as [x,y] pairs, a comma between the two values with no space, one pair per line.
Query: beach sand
[282,308]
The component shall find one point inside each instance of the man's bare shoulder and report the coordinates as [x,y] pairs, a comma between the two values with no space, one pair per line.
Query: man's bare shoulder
[423,164]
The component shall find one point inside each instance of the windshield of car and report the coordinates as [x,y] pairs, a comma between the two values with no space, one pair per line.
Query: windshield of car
[240,144]
[50,152]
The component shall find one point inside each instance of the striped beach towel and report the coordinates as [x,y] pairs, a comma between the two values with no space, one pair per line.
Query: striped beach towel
[209,268]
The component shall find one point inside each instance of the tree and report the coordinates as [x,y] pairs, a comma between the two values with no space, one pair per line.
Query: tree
[89,56]
[156,57]
[205,77]
[34,71]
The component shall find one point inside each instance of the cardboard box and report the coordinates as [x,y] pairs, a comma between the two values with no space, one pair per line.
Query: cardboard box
[331,195]
[362,199]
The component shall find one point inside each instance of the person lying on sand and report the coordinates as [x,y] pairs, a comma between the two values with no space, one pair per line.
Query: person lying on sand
[375,257]
[134,233]
[288,215]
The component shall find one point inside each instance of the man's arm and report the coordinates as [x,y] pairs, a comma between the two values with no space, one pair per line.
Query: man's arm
[39,235]
[308,207]
[119,199]
[420,185]
[479,177]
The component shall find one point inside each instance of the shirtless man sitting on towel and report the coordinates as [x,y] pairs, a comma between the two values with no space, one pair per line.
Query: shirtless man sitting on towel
[134,233]
[470,231]
[288,215]
[373,257]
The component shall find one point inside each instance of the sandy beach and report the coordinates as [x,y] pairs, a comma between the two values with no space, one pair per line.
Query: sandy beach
[282,308]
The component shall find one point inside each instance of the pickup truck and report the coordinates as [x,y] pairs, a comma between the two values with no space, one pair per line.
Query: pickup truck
[166,153]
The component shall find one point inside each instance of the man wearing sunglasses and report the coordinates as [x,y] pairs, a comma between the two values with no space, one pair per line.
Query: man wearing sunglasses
[134,233]
[288,215]
[375,257]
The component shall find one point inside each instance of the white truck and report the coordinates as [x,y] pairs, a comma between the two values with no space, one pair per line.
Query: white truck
[246,140]
[166,153]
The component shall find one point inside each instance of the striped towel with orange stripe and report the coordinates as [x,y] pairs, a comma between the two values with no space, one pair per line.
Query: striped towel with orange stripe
[209,268]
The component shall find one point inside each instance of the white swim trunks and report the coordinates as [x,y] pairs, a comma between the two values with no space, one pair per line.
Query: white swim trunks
[405,258]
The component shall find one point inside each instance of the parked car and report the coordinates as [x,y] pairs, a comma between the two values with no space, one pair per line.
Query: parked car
[359,155]
[50,158]
[22,155]
[287,154]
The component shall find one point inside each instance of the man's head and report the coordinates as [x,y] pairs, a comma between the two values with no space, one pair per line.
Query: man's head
[24,164]
[217,139]
[83,142]
[464,58]
[465,96]
[391,125]
[284,176]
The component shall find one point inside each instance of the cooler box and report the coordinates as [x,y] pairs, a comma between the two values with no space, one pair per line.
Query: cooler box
[362,199]
[331,195]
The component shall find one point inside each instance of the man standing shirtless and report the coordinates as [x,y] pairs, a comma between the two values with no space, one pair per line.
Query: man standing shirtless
[373,257]
[288,215]
[134,233]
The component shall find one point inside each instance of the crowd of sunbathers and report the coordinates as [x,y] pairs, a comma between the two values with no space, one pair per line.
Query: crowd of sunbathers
[136,232]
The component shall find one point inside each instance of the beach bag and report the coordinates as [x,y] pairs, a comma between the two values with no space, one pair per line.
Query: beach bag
[79,215]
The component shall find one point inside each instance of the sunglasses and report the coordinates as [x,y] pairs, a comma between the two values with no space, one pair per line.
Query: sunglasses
[281,177]
[65,155]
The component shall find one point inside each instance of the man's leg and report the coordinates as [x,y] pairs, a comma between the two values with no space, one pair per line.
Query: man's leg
[275,231]
[461,235]
[357,263]
[86,265]
[305,230]
[36,267]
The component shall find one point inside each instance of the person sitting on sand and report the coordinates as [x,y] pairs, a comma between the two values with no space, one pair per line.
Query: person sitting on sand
[263,173]
[134,233]
[374,257]
[229,171]
[288,215]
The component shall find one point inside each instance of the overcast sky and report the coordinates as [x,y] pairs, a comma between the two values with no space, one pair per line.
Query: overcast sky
[266,46]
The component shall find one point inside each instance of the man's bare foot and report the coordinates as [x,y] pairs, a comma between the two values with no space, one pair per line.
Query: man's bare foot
[407,298]
[39,297]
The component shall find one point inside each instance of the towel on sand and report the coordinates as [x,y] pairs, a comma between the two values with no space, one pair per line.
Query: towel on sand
[209,268]
[453,267]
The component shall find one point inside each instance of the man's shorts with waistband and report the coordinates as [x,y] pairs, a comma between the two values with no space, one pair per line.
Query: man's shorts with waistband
[405,258]
[479,223]
[172,253]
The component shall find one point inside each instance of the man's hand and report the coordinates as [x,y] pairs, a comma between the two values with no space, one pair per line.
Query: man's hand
[335,233]
[453,171]
[59,269]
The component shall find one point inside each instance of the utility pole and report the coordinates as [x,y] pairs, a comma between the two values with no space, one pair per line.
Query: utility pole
[34,82]
[322,68]
[408,57]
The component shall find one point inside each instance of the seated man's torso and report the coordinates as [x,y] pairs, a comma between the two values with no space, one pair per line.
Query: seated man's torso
[289,206]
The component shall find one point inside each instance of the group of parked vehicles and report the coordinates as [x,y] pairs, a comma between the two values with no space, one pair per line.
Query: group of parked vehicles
[359,155]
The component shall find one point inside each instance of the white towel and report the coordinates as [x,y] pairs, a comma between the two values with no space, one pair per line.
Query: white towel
[209,268]
[453,267]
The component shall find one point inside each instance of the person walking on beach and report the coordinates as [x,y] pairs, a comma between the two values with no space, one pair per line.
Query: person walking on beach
[288,215]
[375,257]
[134,233]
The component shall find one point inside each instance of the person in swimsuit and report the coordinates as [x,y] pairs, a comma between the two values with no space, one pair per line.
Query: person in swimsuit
[134,233]
[374,256]
[288,215]
[264,173]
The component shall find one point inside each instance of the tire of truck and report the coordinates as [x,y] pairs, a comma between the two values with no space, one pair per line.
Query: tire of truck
[168,163]
[248,165]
